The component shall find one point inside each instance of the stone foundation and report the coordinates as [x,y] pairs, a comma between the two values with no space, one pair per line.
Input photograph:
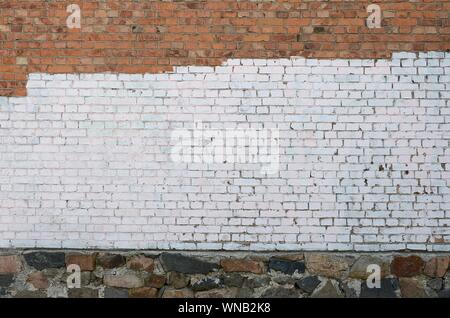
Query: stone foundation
[152,274]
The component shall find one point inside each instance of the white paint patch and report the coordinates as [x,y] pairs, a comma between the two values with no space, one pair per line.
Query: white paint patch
[364,158]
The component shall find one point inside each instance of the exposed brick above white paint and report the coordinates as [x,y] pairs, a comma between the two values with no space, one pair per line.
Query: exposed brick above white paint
[364,158]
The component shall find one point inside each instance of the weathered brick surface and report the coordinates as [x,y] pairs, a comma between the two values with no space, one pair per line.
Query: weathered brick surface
[363,158]
[130,36]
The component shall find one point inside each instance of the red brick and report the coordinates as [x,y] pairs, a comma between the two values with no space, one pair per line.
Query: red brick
[206,33]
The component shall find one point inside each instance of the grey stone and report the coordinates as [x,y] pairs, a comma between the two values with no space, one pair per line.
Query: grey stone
[206,283]
[54,272]
[444,293]
[387,290]
[116,293]
[233,280]
[82,293]
[85,278]
[349,292]
[43,260]
[257,281]
[447,280]
[284,280]
[6,280]
[245,293]
[359,268]
[308,284]
[435,283]
[217,293]
[174,262]
[286,266]
[328,291]
[328,265]
[30,294]
[280,292]
[123,281]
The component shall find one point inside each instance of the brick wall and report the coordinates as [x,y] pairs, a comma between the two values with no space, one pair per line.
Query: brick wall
[359,126]
[153,36]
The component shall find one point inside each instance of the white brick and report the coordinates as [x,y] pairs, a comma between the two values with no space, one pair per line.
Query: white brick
[363,153]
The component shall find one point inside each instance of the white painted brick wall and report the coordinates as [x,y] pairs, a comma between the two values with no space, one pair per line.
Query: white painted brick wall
[364,158]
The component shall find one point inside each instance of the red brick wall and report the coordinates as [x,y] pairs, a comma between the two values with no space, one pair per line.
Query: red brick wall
[153,36]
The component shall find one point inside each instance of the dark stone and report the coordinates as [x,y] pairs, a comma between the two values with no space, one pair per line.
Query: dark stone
[444,293]
[109,261]
[233,280]
[387,289]
[257,281]
[280,292]
[82,293]
[6,280]
[185,264]
[286,266]
[284,280]
[43,260]
[308,284]
[206,283]
[116,293]
[3,291]
[435,283]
